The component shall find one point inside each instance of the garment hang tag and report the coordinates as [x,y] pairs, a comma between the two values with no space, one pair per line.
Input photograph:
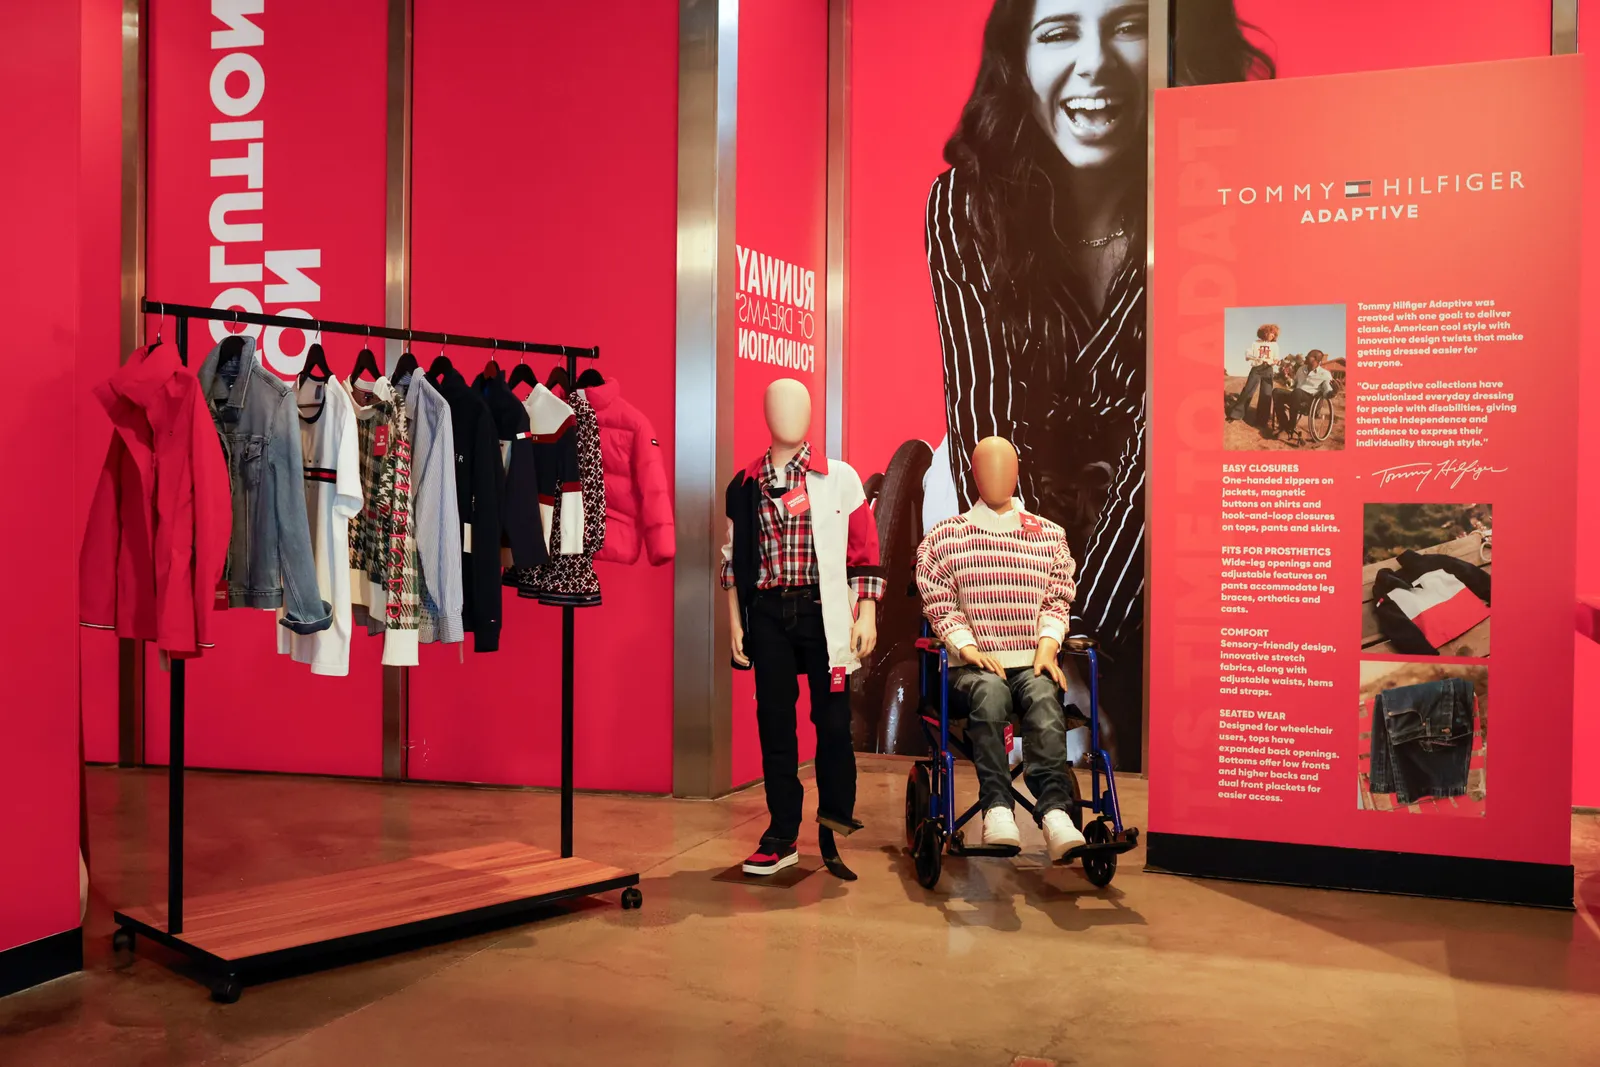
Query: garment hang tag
[380,441]
[466,538]
[1010,736]
[797,501]
[1031,523]
[836,680]
[219,599]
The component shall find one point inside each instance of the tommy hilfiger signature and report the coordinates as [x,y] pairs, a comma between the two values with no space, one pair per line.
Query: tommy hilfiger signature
[1454,471]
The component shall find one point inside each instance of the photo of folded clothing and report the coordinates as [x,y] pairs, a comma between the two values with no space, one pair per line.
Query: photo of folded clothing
[1430,600]
[1422,739]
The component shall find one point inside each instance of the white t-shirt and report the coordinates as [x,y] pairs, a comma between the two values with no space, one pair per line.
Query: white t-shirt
[333,498]
[1262,353]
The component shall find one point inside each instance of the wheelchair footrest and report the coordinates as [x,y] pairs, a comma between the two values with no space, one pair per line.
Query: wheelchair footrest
[958,848]
[1126,841]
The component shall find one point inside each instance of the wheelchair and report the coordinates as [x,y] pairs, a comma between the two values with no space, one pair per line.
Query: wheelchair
[932,827]
[1319,413]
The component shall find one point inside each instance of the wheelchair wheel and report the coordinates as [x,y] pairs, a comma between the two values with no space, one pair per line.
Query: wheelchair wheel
[919,796]
[927,852]
[1099,867]
[1321,418]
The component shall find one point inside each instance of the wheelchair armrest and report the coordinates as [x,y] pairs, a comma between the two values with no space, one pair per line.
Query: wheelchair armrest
[1080,644]
[929,644]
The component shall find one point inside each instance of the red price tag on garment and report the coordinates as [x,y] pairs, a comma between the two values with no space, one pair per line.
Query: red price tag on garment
[1031,523]
[837,679]
[219,599]
[797,501]
[380,441]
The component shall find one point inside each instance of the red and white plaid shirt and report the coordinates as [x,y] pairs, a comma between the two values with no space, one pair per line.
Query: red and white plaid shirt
[788,550]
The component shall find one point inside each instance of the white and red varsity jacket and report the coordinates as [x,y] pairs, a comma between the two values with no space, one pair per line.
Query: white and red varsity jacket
[843,532]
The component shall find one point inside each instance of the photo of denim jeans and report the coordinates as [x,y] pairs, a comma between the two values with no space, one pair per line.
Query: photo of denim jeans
[1422,739]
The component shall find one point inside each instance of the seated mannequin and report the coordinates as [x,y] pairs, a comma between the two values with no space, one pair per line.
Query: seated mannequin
[996,585]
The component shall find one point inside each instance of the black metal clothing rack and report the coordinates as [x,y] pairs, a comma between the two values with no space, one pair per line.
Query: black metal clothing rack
[227,985]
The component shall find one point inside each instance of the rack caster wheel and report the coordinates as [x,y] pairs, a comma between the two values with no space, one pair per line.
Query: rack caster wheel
[632,899]
[227,990]
[122,938]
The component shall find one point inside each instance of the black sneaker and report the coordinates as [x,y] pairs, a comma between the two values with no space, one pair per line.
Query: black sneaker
[770,859]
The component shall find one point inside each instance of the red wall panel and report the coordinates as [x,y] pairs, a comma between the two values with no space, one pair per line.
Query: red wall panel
[782,206]
[545,209]
[100,251]
[910,75]
[320,72]
[39,641]
[1586,710]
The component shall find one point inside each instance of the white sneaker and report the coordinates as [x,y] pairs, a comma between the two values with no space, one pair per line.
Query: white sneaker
[1060,836]
[1000,828]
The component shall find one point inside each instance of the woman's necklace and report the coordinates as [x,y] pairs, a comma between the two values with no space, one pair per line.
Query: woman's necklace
[1101,242]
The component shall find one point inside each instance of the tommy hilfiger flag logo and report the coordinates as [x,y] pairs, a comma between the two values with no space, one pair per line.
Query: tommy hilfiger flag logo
[1357,190]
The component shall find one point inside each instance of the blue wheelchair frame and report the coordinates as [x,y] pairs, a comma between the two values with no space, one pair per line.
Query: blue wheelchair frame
[938,827]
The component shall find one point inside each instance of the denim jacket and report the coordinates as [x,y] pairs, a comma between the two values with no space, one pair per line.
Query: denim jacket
[270,563]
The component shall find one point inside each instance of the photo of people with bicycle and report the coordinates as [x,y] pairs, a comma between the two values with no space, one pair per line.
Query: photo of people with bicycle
[1284,378]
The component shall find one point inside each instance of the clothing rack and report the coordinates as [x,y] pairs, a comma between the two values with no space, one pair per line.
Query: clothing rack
[469,886]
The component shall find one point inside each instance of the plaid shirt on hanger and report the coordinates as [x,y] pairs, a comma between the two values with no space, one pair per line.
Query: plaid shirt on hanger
[788,550]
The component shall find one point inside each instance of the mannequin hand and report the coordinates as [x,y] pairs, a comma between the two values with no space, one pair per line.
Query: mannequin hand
[738,645]
[864,631]
[976,657]
[1044,661]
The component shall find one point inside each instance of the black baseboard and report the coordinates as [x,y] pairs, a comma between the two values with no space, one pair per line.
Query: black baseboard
[1540,885]
[41,960]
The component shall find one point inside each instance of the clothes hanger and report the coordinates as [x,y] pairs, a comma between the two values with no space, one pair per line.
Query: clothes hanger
[491,369]
[232,349]
[521,374]
[591,376]
[160,327]
[441,364]
[316,360]
[559,379]
[366,361]
[405,366]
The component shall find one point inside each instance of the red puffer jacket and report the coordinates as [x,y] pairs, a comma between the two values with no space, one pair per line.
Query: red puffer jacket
[638,503]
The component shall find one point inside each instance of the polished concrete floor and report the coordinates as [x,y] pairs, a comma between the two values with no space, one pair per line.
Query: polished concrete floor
[1006,962]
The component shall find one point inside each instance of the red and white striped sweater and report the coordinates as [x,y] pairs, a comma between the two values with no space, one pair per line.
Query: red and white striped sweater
[1000,581]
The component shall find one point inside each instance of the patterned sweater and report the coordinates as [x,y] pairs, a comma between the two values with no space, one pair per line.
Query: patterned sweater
[1001,582]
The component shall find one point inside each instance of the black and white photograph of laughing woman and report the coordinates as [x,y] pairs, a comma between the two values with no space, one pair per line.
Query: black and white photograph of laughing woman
[1036,252]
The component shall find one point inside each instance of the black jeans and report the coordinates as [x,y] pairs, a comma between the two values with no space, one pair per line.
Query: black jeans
[1291,406]
[1034,701]
[784,638]
[1422,739]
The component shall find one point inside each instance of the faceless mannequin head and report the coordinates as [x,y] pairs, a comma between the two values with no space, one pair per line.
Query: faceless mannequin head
[994,468]
[788,407]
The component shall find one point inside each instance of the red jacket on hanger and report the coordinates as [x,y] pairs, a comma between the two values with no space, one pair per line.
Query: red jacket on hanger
[638,503]
[157,538]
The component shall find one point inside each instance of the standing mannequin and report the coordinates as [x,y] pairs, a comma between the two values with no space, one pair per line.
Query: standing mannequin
[803,581]
[997,588]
